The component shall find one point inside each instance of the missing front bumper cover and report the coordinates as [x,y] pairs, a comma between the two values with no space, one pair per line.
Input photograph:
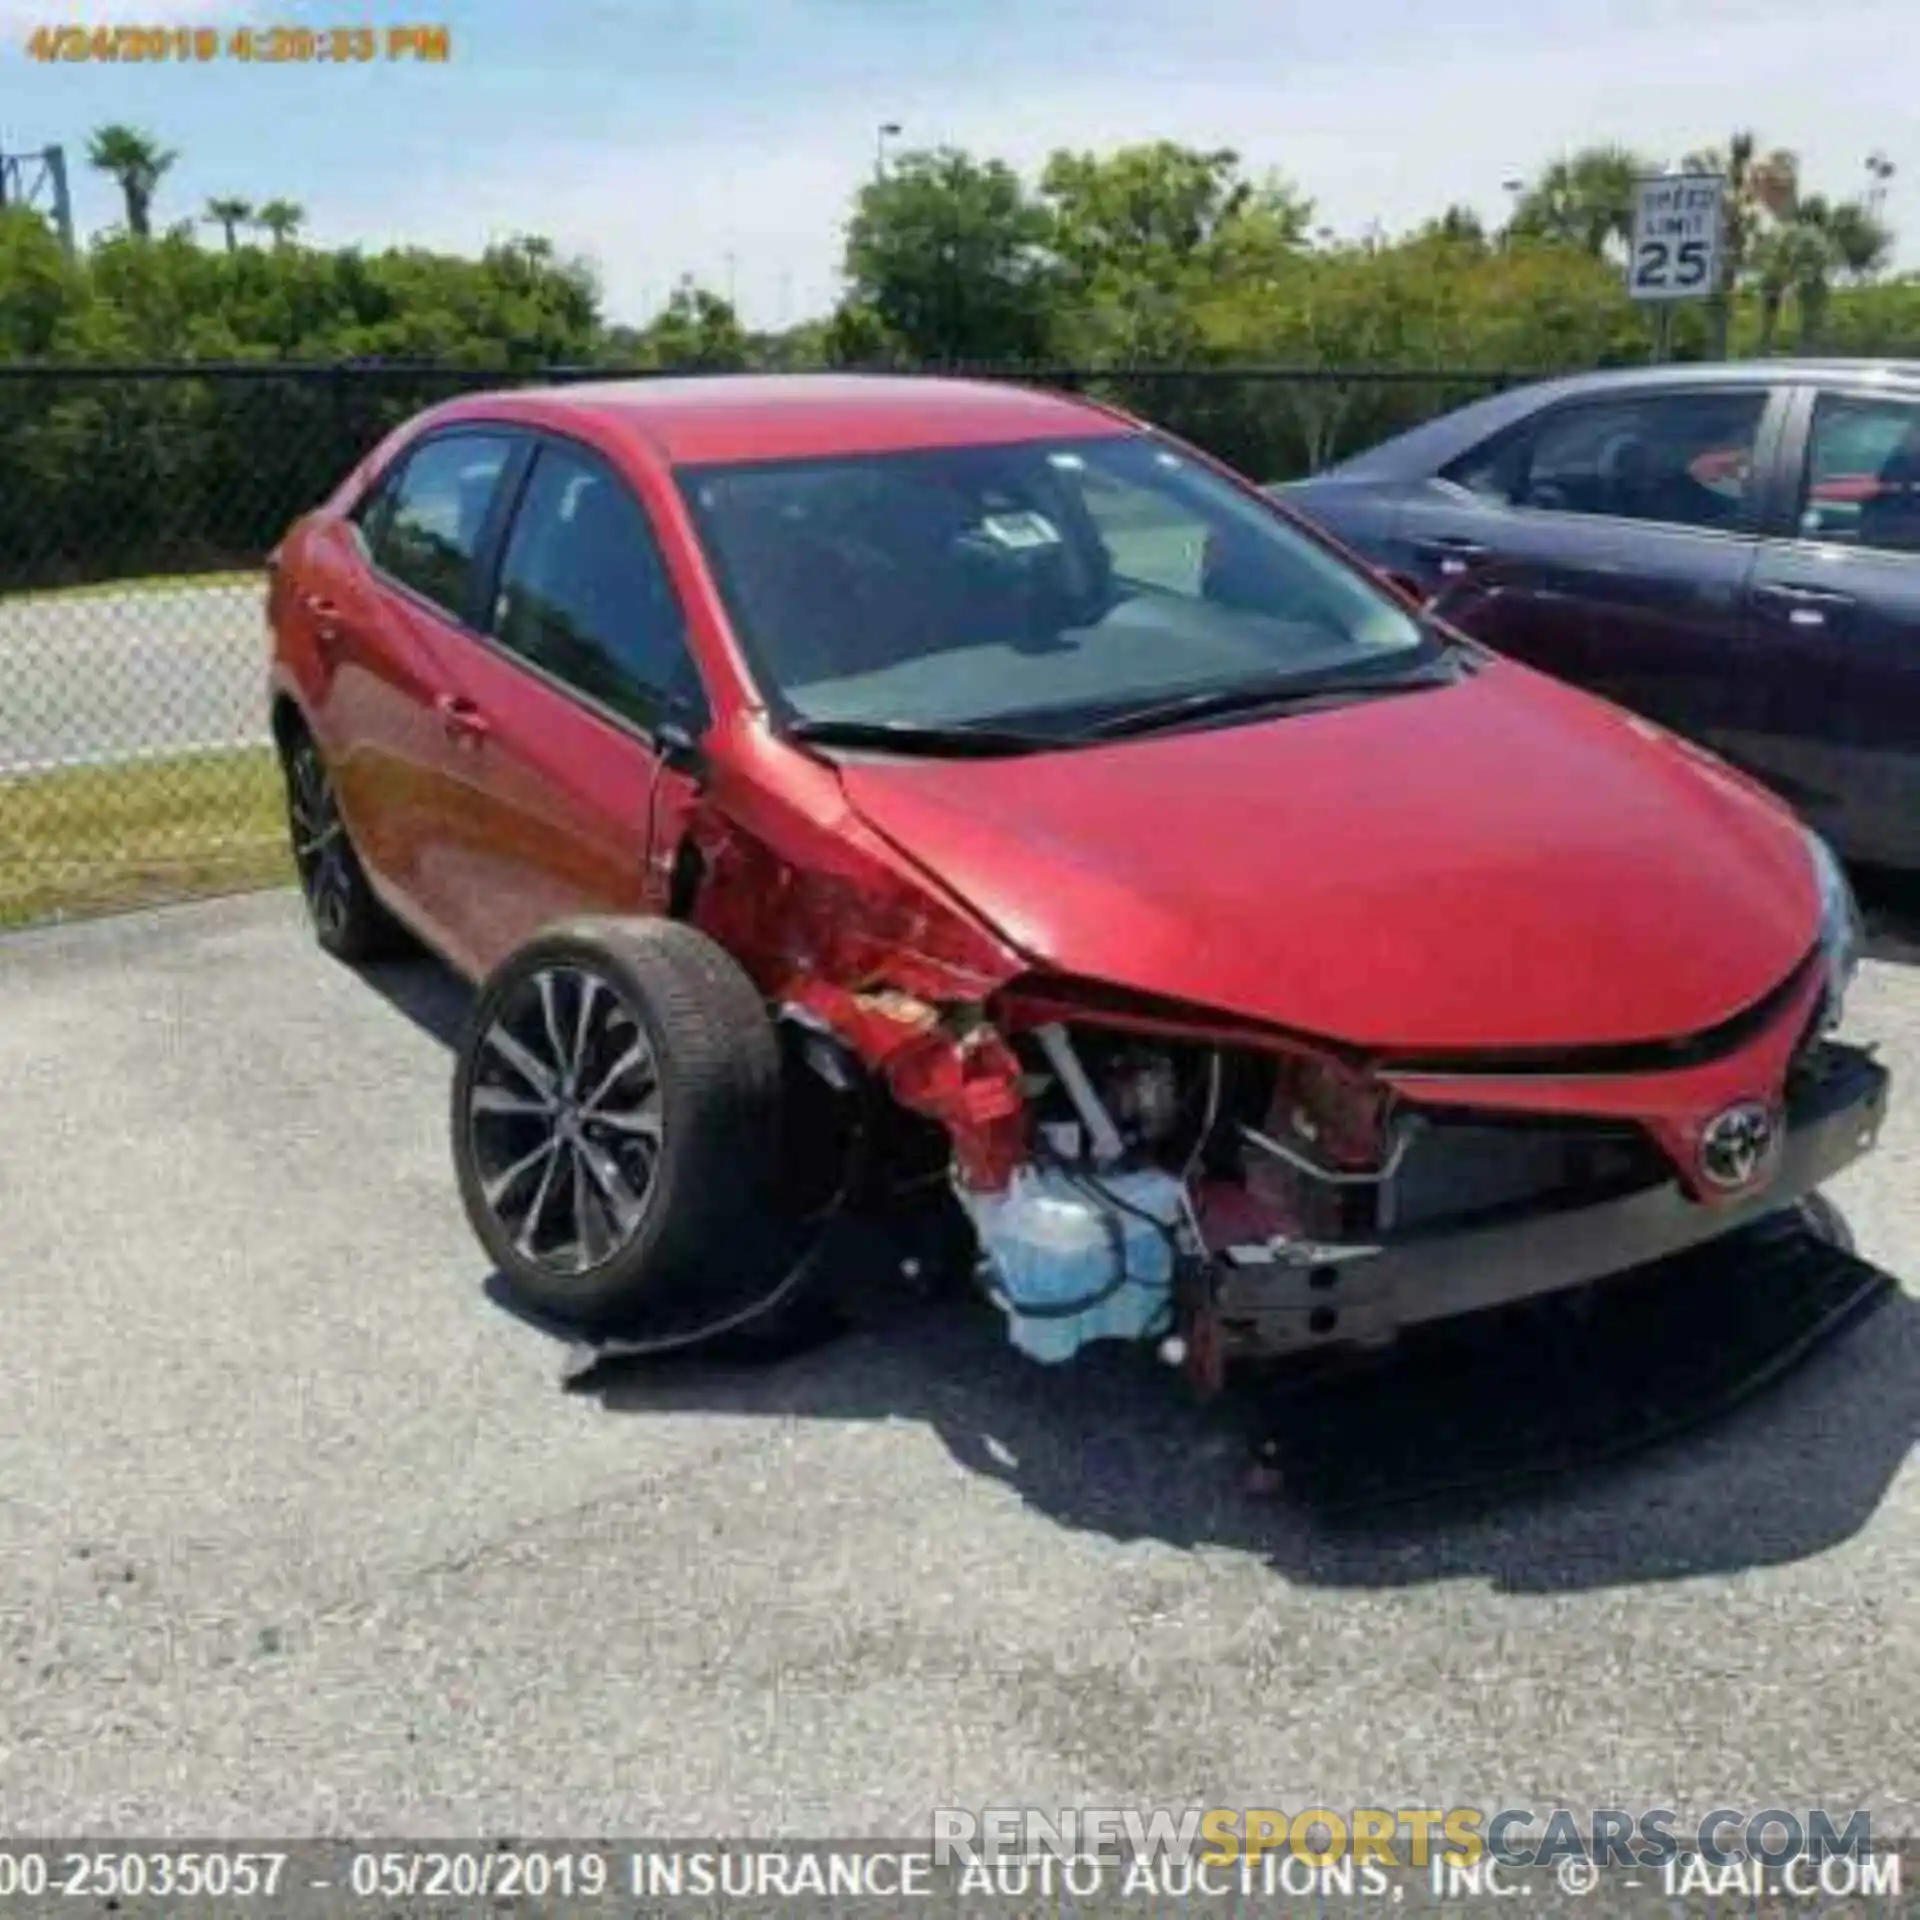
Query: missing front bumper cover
[1297,1295]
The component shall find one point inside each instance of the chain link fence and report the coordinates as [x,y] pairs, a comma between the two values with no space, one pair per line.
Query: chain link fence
[137,505]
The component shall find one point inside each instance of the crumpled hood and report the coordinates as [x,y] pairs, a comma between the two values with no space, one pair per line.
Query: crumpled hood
[1500,863]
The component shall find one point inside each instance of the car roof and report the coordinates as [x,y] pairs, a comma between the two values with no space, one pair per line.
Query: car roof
[721,418]
[1435,442]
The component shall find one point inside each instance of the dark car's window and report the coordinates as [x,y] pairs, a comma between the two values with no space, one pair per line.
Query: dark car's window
[1494,469]
[1061,581]
[426,530]
[1862,480]
[1680,459]
[584,591]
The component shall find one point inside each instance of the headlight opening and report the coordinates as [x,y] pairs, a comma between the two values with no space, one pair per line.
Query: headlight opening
[1842,930]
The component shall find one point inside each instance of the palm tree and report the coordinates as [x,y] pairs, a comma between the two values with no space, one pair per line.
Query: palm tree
[1798,243]
[1759,185]
[136,161]
[282,219]
[229,215]
[1829,239]
[1585,200]
[1792,257]
[1861,242]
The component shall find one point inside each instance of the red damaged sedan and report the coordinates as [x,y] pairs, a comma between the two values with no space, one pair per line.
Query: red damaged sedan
[859,792]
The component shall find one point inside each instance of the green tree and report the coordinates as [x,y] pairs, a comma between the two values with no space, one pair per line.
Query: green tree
[1426,304]
[949,255]
[136,162]
[1584,200]
[1138,233]
[1862,242]
[1808,243]
[696,330]
[281,220]
[41,290]
[229,215]
[855,337]
[790,349]
[1457,223]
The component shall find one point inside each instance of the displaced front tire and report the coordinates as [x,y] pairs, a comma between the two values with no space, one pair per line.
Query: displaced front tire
[616,1128]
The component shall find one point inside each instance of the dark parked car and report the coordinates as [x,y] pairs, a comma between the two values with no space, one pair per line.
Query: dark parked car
[1732,550]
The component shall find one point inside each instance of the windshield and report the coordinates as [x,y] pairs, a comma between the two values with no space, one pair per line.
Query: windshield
[1052,582]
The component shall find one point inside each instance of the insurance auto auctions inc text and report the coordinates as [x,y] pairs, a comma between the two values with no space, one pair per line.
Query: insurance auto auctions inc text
[1220,1851]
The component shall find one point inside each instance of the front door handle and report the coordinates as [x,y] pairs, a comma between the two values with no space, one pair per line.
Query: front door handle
[1809,607]
[461,718]
[1452,557]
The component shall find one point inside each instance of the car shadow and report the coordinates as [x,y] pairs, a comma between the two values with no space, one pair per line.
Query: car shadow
[1890,905]
[426,991]
[1115,1444]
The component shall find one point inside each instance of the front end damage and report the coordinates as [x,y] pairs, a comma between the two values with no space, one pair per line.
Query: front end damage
[1142,1173]
[1264,1203]
[1142,1170]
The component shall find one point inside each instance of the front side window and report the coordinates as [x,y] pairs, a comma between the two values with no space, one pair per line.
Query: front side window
[426,531]
[1679,459]
[1862,482]
[1055,581]
[584,592]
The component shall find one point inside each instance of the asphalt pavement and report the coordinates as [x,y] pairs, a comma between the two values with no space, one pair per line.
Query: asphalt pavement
[117,674]
[299,1533]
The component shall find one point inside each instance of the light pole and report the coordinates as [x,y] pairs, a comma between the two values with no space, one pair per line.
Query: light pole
[888,130]
[1513,188]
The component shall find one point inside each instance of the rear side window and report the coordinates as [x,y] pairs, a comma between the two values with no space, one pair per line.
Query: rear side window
[426,531]
[1678,459]
[584,592]
[1862,483]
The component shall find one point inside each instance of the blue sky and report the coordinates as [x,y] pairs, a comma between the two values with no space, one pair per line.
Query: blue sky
[725,137]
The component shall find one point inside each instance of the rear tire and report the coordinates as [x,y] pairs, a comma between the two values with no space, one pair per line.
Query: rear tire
[617,1131]
[345,913]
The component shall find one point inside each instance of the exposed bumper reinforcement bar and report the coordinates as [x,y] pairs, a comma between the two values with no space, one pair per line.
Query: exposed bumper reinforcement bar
[1288,1305]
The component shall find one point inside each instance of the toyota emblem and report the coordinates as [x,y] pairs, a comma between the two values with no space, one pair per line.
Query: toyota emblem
[1736,1144]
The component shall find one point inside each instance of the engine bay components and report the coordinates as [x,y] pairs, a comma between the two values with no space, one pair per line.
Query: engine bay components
[1072,1257]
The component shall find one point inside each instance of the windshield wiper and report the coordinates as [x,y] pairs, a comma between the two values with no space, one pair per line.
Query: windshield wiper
[1295,690]
[909,736]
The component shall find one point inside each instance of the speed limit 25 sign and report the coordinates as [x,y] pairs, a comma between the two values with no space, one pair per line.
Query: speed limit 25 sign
[1676,237]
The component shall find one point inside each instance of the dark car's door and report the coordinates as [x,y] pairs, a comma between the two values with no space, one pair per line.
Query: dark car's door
[387,603]
[585,658]
[1836,608]
[1616,537]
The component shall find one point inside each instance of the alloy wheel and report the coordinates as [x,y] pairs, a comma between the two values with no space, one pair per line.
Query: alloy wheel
[320,851]
[565,1119]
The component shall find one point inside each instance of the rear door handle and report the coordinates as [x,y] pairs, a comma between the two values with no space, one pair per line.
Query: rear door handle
[1452,557]
[461,718]
[1803,606]
[325,616]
